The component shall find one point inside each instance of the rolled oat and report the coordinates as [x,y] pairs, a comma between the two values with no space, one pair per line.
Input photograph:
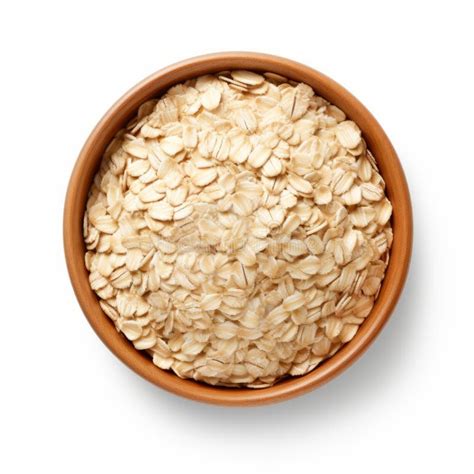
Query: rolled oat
[238,229]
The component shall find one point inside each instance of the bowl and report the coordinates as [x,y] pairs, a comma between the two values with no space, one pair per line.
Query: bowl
[88,162]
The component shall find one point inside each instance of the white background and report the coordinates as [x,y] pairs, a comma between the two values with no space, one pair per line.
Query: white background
[68,405]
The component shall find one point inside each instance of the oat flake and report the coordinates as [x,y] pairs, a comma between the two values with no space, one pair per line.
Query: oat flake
[238,230]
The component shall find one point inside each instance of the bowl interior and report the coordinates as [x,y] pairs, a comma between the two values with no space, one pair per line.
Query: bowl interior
[87,165]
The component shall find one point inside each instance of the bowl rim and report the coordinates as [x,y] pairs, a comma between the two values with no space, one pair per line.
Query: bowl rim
[87,163]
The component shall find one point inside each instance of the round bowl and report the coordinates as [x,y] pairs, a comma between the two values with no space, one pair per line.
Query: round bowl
[89,160]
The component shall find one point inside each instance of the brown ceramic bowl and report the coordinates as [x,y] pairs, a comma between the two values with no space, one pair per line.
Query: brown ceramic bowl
[88,163]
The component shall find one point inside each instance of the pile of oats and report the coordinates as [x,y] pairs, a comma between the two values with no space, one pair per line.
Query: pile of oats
[238,229]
